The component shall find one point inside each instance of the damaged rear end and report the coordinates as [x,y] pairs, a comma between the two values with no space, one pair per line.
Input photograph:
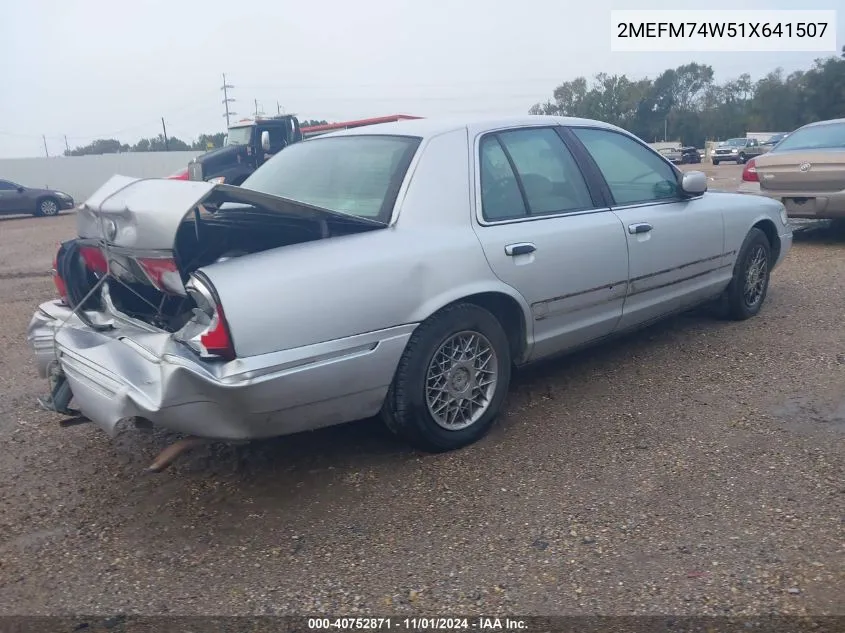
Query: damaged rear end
[139,330]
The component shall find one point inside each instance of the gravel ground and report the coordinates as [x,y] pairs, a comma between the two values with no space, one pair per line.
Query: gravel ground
[693,468]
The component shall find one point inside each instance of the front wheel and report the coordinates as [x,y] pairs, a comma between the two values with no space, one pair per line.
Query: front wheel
[741,160]
[750,283]
[715,162]
[47,207]
[451,381]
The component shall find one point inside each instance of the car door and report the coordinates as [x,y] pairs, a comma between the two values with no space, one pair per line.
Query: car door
[675,244]
[9,197]
[550,236]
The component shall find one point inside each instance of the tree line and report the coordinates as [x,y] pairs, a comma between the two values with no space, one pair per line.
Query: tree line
[159,144]
[687,104]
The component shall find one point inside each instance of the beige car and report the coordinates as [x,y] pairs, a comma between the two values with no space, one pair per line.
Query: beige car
[805,171]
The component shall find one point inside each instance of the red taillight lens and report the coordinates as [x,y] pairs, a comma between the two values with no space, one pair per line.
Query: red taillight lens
[162,273]
[94,259]
[217,340]
[749,174]
[57,278]
[182,174]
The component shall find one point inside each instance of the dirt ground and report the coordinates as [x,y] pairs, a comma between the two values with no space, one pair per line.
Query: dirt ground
[693,468]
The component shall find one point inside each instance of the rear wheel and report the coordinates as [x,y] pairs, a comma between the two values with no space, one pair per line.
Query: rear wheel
[750,283]
[451,380]
[47,207]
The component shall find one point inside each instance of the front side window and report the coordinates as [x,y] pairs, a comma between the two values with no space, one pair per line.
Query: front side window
[634,173]
[529,172]
[6,186]
[357,175]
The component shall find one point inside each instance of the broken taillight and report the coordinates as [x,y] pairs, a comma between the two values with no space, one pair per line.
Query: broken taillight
[61,287]
[94,259]
[162,273]
[215,338]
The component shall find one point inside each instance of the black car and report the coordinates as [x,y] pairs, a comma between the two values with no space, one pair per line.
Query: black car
[15,198]
[690,155]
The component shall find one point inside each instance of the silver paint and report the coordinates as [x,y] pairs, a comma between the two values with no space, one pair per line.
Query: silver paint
[319,327]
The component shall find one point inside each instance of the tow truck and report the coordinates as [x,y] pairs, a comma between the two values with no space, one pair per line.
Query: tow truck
[251,142]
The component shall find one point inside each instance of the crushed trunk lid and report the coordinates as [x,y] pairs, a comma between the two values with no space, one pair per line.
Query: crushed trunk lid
[145,214]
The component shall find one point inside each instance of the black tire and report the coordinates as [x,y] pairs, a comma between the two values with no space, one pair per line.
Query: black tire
[406,410]
[735,302]
[741,159]
[715,162]
[47,207]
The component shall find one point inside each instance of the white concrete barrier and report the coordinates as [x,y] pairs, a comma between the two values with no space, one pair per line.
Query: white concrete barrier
[80,176]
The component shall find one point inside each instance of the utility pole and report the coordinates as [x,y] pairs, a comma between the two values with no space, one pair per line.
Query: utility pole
[665,127]
[257,111]
[227,100]
[164,129]
[278,108]
[67,147]
[46,153]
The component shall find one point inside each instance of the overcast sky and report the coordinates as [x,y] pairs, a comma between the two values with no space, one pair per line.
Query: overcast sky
[98,68]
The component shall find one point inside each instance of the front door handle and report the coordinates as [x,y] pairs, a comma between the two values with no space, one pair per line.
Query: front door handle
[640,227]
[522,248]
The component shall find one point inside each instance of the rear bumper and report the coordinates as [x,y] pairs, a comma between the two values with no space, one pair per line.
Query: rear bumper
[810,205]
[135,372]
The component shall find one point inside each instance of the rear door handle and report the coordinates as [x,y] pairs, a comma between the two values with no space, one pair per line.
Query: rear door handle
[640,227]
[522,248]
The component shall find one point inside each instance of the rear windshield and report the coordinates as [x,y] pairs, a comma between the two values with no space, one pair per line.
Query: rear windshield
[831,135]
[358,175]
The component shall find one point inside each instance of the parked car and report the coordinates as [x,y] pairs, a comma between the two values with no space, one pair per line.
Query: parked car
[15,198]
[400,270]
[805,171]
[773,140]
[737,150]
[672,154]
[681,155]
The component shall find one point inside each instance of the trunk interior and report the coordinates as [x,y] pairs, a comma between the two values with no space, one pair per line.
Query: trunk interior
[203,238]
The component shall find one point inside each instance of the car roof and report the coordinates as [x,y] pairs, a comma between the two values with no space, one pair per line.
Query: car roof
[435,126]
[820,123]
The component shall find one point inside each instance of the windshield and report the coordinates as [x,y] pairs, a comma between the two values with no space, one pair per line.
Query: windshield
[239,135]
[831,135]
[735,142]
[358,175]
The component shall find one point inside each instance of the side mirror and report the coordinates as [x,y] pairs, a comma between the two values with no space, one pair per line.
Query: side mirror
[21,189]
[265,141]
[694,183]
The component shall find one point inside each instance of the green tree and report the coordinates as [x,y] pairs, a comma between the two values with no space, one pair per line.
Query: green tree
[686,103]
[100,146]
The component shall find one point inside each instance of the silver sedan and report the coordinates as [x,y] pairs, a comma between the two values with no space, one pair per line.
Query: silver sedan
[398,270]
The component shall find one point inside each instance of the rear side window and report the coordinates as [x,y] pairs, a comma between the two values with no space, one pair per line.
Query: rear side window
[358,175]
[634,173]
[529,172]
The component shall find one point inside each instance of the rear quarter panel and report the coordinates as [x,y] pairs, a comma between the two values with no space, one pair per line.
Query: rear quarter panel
[330,289]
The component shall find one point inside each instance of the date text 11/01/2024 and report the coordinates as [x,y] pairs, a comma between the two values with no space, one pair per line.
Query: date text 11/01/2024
[417,624]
